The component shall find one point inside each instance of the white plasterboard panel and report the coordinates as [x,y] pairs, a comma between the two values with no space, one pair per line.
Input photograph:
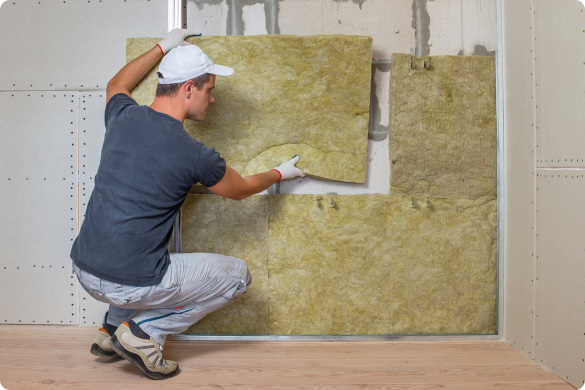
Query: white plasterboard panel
[38,296]
[377,177]
[39,135]
[73,45]
[560,272]
[92,130]
[388,22]
[38,206]
[519,198]
[208,18]
[560,82]
[461,27]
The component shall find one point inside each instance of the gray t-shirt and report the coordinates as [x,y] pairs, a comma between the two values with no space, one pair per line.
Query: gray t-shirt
[148,164]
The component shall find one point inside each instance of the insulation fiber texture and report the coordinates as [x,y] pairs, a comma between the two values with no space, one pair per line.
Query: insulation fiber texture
[443,126]
[212,224]
[288,95]
[352,264]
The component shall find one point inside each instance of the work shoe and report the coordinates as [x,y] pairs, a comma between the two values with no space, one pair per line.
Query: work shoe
[102,345]
[146,354]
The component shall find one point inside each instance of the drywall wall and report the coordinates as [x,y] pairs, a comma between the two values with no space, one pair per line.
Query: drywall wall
[288,96]
[38,207]
[520,175]
[559,86]
[50,144]
[352,264]
[560,273]
[559,62]
[543,91]
[79,43]
[92,130]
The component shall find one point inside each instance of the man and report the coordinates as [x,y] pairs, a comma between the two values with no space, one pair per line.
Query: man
[148,164]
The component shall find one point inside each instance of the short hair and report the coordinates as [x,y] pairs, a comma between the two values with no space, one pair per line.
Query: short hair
[170,90]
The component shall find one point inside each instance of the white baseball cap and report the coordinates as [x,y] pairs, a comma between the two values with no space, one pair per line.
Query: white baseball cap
[187,62]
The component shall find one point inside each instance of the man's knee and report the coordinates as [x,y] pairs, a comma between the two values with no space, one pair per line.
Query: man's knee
[242,268]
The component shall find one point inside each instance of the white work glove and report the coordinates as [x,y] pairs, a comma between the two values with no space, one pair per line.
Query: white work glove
[287,170]
[175,38]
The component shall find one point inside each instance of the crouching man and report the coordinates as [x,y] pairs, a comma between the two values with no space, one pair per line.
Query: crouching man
[148,164]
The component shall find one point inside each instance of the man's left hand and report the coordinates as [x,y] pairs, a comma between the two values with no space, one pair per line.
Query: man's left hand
[175,38]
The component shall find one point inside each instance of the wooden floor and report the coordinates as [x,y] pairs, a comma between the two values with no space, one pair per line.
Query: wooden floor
[57,357]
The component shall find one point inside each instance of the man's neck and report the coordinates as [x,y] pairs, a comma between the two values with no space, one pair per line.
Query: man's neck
[169,106]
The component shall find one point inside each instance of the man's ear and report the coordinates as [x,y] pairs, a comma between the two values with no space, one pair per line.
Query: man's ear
[188,88]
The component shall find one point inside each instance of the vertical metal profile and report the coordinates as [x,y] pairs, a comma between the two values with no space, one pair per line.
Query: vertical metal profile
[500,169]
[176,14]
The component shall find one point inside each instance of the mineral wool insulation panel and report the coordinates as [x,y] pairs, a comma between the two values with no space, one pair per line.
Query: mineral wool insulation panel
[288,95]
[560,273]
[72,45]
[443,126]
[92,130]
[38,206]
[240,229]
[559,51]
[353,264]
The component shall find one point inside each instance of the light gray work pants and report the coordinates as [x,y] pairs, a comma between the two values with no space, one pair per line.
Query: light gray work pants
[194,285]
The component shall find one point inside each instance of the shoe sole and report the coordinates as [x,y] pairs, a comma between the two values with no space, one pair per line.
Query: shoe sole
[99,351]
[137,360]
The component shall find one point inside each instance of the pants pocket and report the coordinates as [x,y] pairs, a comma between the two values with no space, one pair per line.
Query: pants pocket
[127,295]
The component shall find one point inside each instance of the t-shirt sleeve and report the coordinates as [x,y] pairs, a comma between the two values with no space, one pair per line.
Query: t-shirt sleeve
[117,103]
[210,167]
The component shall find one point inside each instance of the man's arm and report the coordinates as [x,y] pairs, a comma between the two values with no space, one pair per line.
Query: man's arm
[135,70]
[132,73]
[234,186]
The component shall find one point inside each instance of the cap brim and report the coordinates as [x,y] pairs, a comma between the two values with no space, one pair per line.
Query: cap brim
[221,70]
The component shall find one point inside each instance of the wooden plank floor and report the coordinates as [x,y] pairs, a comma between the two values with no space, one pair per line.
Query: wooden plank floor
[57,357]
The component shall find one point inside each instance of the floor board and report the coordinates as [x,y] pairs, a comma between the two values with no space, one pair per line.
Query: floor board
[57,357]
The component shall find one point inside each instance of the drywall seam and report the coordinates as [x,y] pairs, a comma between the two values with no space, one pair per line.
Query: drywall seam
[91,138]
[534,196]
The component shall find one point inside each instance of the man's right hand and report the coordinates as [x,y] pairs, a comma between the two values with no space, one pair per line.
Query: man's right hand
[287,170]
[175,38]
